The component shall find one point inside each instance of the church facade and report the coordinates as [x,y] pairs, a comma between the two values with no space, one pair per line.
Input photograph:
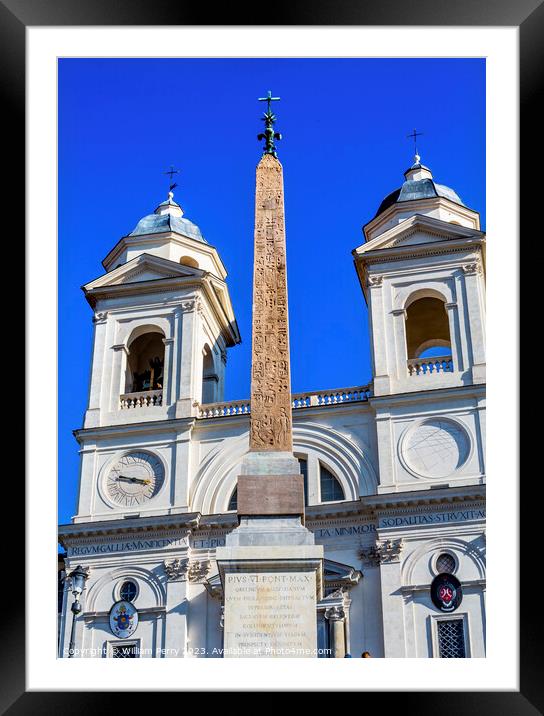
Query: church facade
[394,470]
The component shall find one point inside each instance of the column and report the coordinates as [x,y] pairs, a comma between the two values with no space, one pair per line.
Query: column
[168,387]
[401,353]
[456,348]
[120,356]
[337,617]
[186,361]
[392,610]
[92,414]
[175,642]
[475,320]
[382,381]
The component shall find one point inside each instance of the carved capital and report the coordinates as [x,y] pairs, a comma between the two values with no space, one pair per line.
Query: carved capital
[100,316]
[471,269]
[383,552]
[335,614]
[198,570]
[375,281]
[176,570]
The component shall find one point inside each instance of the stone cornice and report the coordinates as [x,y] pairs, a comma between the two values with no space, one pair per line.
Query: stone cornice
[418,206]
[107,528]
[196,525]
[431,394]
[177,425]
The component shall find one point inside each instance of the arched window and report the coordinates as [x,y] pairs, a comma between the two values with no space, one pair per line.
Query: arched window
[303,462]
[145,365]
[233,502]
[427,328]
[331,489]
[210,378]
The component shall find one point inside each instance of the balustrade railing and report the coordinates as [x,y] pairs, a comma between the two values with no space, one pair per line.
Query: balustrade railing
[141,400]
[428,366]
[221,410]
[299,400]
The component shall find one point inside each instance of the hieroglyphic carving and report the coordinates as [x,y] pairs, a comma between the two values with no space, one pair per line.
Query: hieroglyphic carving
[270,423]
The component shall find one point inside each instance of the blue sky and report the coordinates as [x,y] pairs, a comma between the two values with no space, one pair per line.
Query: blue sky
[123,122]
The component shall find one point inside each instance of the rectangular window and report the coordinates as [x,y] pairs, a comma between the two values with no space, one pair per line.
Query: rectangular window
[451,639]
[124,651]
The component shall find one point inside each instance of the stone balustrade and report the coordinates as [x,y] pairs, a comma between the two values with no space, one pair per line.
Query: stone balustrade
[221,410]
[299,400]
[144,399]
[427,366]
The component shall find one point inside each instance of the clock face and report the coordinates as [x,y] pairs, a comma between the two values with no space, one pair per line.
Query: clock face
[134,479]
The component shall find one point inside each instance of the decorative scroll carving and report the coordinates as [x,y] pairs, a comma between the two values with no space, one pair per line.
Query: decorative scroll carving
[176,569]
[382,552]
[271,421]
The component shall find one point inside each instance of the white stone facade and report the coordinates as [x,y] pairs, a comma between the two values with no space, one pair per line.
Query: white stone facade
[407,450]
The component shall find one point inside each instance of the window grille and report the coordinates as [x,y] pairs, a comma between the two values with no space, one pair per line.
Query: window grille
[128,591]
[124,651]
[451,639]
[445,564]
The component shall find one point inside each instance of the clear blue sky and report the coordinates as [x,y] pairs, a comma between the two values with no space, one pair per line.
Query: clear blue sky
[122,123]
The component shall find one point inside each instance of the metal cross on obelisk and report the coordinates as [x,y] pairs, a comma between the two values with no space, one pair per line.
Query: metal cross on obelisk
[269,119]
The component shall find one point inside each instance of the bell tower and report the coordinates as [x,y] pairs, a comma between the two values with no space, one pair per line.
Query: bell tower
[422,272]
[163,322]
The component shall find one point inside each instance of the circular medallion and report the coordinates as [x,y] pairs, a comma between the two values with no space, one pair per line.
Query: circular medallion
[134,479]
[446,592]
[123,619]
[435,448]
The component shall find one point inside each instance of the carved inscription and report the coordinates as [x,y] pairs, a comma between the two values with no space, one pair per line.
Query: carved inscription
[270,421]
[270,615]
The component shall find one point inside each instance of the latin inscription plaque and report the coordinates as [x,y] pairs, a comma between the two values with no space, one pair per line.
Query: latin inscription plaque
[270,614]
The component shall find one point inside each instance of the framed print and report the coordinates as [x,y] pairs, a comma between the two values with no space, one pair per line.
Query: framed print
[212,500]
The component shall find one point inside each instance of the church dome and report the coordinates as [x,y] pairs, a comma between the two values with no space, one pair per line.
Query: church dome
[419,184]
[168,216]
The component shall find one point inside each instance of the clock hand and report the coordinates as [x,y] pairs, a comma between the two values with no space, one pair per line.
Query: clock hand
[134,479]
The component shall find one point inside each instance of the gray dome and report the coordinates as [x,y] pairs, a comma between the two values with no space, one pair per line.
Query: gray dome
[160,223]
[414,189]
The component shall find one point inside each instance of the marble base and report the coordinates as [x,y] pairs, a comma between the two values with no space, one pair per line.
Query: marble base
[272,575]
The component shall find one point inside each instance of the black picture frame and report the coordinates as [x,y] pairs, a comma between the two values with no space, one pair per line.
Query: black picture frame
[15,16]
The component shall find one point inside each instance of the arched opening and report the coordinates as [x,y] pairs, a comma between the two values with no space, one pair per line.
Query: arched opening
[303,462]
[233,502]
[210,379]
[189,261]
[331,489]
[145,364]
[427,328]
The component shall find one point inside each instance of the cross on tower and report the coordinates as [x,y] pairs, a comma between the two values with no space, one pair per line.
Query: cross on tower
[415,134]
[268,99]
[171,173]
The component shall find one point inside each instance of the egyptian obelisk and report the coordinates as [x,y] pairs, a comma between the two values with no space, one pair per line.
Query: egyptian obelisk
[270,568]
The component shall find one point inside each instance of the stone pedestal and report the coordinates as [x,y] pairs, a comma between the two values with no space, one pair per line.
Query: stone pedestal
[271,572]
